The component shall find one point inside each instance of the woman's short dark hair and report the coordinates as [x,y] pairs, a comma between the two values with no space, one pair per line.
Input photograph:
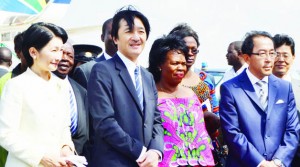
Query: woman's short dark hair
[38,35]
[128,14]
[248,44]
[159,50]
[282,39]
[183,30]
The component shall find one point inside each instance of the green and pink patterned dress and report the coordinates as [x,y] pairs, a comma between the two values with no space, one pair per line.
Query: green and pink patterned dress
[186,141]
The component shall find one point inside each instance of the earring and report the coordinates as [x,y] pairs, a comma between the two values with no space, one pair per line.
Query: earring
[159,69]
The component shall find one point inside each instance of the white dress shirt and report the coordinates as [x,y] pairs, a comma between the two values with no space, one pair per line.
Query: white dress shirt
[229,74]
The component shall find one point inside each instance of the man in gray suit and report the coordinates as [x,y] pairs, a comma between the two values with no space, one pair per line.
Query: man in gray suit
[285,48]
[5,60]
[79,99]
[82,72]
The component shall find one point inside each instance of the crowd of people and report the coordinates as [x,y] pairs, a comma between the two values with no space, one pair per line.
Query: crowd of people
[111,110]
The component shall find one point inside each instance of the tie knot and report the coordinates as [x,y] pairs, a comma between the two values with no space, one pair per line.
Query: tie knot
[260,83]
[136,71]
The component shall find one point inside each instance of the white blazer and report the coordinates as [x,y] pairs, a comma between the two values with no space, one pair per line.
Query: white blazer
[34,119]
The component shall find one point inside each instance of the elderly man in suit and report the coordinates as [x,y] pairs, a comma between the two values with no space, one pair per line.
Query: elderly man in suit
[285,48]
[78,101]
[123,100]
[82,72]
[5,60]
[258,112]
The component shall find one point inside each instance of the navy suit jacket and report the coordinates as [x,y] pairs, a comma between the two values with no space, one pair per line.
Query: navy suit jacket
[253,134]
[82,73]
[80,138]
[120,127]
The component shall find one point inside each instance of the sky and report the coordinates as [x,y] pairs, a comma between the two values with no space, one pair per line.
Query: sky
[217,22]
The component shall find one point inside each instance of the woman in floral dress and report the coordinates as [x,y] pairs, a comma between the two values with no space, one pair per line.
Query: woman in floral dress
[186,141]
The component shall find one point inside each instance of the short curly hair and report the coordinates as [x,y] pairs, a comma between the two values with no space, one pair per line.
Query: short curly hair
[159,51]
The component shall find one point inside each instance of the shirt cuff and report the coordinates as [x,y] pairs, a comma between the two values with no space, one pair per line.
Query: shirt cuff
[144,150]
[260,163]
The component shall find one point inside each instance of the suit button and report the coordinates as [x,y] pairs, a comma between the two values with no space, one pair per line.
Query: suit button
[145,126]
[266,137]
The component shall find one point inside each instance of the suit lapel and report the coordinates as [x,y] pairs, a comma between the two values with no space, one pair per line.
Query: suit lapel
[125,77]
[248,88]
[272,86]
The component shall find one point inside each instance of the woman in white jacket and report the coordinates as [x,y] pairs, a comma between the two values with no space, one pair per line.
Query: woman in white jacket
[34,107]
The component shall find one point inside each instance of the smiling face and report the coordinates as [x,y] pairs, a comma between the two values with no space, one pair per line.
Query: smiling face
[283,61]
[192,45]
[67,62]
[174,68]
[48,57]
[131,43]
[259,66]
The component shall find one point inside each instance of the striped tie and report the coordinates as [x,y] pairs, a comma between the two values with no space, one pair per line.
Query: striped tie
[138,86]
[73,114]
[263,97]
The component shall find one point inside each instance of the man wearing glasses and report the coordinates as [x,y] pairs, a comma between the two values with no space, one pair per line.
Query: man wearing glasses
[285,48]
[257,110]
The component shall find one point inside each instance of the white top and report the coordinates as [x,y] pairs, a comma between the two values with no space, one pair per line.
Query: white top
[229,74]
[34,119]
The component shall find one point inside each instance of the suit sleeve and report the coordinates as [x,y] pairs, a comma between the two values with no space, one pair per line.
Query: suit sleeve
[80,77]
[158,131]
[102,112]
[238,144]
[288,146]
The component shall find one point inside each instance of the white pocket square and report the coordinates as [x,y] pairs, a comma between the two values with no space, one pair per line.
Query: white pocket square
[279,101]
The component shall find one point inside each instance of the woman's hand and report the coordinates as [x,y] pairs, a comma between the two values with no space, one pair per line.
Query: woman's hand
[66,151]
[48,161]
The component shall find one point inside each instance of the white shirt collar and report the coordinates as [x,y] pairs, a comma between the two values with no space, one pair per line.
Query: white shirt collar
[107,56]
[3,67]
[253,79]
[245,65]
[130,66]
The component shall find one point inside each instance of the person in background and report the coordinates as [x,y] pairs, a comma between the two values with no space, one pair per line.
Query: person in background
[82,72]
[34,110]
[257,110]
[285,48]
[204,90]
[193,81]
[78,100]
[123,100]
[21,67]
[235,59]
[186,141]
[5,60]
[84,53]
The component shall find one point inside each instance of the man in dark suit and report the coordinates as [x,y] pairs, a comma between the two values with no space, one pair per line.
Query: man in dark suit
[5,60]
[122,98]
[257,110]
[82,72]
[79,99]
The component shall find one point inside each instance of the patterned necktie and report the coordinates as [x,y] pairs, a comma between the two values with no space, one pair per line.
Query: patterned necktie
[73,114]
[263,97]
[138,86]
